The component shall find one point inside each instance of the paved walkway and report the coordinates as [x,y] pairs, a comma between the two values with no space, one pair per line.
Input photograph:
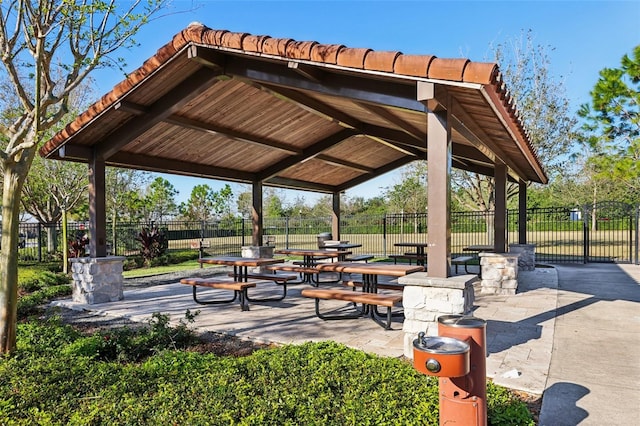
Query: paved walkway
[594,375]
[571,332]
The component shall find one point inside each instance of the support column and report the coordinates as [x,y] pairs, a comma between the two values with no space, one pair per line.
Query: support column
[335,216]
[522,212]
[500,216]
[97,208]
[439,179]
[256,214]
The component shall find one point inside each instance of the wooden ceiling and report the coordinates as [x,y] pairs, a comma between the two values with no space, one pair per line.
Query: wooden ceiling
[301,115]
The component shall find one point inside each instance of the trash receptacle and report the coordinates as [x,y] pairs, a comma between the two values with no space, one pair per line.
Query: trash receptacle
[322,237]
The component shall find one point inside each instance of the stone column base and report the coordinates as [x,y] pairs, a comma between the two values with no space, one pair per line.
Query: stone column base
[260,252]
[426,298]
[499,273]
[97,279]
[527,252]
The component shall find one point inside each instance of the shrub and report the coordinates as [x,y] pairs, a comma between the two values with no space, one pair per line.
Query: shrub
[55,379]
[154,243]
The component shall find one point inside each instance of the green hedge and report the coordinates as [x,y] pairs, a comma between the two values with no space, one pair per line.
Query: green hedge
[50,381]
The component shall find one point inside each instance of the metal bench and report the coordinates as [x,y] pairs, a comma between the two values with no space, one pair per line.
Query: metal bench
[462,260]
[239,289]
[371,299]
[359,258]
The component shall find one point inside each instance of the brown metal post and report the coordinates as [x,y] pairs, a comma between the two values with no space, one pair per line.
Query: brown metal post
[256,214]
[97,209]
[500,216]
[522,212]
[439,178]
[463,400]
[335,216]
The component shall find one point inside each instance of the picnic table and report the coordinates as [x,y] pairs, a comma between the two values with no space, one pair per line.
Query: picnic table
[309,260]
[239,286]
[419,255]
[369,296]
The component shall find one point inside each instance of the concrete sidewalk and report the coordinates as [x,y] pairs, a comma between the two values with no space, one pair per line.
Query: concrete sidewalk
[594,374]
[540,340]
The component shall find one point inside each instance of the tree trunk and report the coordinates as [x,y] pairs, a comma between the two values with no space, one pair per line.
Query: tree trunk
[9,258]
[52,237]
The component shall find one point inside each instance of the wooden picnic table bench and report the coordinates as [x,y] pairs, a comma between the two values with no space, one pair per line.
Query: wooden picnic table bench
[367,299]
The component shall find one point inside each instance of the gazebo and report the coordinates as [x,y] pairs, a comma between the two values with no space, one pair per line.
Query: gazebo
[304,115]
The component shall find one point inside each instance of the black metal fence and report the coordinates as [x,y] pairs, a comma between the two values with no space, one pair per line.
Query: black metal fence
[605,232]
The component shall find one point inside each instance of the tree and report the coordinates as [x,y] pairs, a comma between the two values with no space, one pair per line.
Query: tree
[122,196]
[205,204]
[52,189]
[48,48]
[544,111]
[612,123]
[159,200]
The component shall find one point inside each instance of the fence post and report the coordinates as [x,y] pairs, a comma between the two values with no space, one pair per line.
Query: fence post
[242,231]
[384,234]
[637,233]
[585,236]
[39,242]
[286,232]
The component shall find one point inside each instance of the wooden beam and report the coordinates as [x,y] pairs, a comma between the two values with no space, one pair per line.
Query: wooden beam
[299,184]
[168,104]
[208,57]
[312,73]
[390,117]
[467,126]
[377,172]
[307,153]
[344,163]
[380,134]
[372,88]
[185,168]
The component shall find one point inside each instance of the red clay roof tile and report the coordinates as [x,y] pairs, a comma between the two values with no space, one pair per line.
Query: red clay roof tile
[480,72]
[300,49]
[413,65]
[327,53]
[233,40]
[381,61]
[252,43]
[447,69]
[352,57]
[276,46]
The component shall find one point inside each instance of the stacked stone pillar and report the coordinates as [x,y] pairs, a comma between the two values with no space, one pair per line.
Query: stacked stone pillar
[97,279]
[259,252]
[426,298]
[499,272]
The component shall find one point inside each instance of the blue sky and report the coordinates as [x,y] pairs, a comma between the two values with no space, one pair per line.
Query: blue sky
[583,37]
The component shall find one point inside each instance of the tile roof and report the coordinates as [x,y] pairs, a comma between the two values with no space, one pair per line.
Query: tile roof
[455,71]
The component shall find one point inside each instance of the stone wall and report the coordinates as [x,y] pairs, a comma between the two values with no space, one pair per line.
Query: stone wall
[426,298]
[527,252]
[97,280]
[499,272]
